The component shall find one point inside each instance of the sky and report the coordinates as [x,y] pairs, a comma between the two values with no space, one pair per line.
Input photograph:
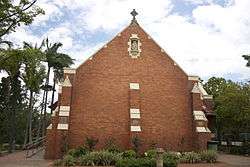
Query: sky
[205,37]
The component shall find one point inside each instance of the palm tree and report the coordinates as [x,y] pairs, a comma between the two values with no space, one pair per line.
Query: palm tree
[33,76]
[63,61]
[57,61]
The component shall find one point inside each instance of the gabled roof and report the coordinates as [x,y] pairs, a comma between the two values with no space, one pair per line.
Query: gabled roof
[119,34]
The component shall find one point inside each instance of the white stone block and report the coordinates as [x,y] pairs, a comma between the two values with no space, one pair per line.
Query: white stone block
[193,78]
[69,71]
[63,126]
[135,128]
[135,116]
[64,108]
[64,113]
[135,113]
[202,130]
[199,115]
[134,86]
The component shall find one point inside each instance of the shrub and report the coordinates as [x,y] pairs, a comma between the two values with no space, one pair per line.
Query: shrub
[133,162]
[172,155]
[80,151]
[190,157]
[69,160]
[208,156]
[129,154]
[111,146]
[151,153]
[90,142]
[101,158]
[58,162]
[170,159]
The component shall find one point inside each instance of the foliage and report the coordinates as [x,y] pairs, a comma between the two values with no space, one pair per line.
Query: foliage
[247,58]
[13,15]
[233,109]
[129,154]
[170,159]
[136,162]
[151,153]
[111,146]
[190,157]
[215,86]
[90,143]
[136,143]
[169,163]
[78,152]
[232,106]
[69,160]
[129,158]
[172,156]
[209,156]
[101,158]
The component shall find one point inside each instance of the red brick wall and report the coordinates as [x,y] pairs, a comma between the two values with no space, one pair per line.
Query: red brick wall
[101,100]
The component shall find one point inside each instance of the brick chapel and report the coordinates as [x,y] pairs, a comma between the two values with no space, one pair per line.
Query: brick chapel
[130,87]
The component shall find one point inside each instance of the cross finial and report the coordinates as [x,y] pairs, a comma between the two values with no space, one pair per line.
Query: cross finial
[134,13]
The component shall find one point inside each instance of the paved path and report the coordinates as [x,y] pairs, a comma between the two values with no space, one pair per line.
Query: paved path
[235,160]
[18,159]
[224,160]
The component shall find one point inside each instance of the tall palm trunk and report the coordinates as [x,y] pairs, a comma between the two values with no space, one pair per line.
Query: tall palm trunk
[40,117]
[45,104]
[53,93]
[28,129]
[30,115]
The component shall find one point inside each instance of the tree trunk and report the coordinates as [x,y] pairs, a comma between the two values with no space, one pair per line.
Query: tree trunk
[45,104]
[26,131]
[53,93]
[40,117]
[30,116]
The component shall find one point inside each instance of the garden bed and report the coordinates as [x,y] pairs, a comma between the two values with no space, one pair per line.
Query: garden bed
[82,157]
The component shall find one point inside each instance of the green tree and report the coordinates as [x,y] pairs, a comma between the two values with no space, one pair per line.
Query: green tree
[34,73]
[4,100]
[215,86]
[15,13]
[233,109]
[12,66]
[232,102]
[247,58]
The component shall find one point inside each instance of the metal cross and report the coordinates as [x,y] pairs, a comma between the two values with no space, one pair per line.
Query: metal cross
[134,13]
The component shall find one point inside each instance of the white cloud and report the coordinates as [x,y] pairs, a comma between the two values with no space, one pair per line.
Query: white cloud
[109,15]
[209,43]
[61,34]
[21,35]
[198,2]
[52,12]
